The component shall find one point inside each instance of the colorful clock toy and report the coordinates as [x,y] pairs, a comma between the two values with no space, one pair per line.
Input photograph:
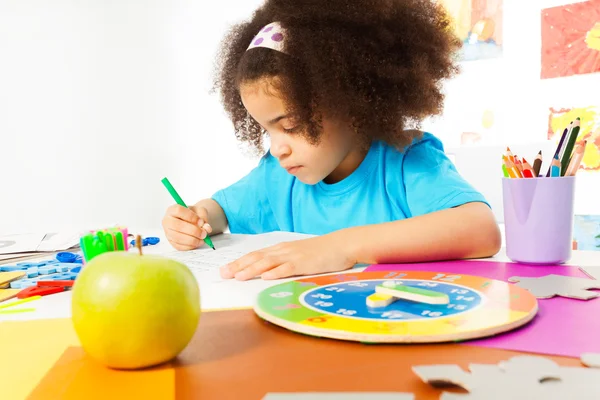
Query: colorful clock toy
[397,307]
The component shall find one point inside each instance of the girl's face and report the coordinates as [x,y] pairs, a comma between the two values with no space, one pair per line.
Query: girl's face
[335,157]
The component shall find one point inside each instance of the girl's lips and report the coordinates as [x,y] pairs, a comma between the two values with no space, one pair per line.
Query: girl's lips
[293,169]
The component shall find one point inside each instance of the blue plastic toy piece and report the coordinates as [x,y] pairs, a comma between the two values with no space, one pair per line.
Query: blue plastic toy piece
[153,240]
[147,241]
[75,270]
[47,269]
[67,276]
[62,267]
[41,264]
[66,257]
[32,272]
[24,283]
[11,268]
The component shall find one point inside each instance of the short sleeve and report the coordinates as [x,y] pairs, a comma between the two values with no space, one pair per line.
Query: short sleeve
[431,180]
[246,203]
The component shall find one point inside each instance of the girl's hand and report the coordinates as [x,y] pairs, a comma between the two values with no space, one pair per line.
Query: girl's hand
[302,257]
[185,228]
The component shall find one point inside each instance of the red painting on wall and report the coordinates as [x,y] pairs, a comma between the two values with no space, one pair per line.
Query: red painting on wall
[571,39]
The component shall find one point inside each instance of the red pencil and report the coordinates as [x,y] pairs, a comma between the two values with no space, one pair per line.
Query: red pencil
[527,170]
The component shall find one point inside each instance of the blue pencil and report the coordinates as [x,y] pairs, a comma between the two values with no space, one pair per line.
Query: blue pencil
[560,146]
[555,167]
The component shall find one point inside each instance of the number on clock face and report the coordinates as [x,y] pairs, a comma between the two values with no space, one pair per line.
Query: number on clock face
[343,311]
[321,296]
[447,278]
[281,294]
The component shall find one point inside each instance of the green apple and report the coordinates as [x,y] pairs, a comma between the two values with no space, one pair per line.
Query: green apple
[134,311]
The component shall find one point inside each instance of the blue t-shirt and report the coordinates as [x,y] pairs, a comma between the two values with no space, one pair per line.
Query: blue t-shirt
[388,185]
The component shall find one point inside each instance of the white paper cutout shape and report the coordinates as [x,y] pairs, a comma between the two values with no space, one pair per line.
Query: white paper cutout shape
[545,287]
[520,378]
[591,360]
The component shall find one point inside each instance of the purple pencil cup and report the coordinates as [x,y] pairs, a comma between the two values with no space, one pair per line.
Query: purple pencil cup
[538,219]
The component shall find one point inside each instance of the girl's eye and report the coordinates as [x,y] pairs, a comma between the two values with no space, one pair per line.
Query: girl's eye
[290,130]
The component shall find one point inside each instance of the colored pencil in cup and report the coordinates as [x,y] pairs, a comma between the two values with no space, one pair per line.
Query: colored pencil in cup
[516,169]
[537,164]
[576,159]
[510,167]
[567,136]
[555,167]
[510,155]
[505,171]
[527,170]
[519,165]
[570,142]
[558,148]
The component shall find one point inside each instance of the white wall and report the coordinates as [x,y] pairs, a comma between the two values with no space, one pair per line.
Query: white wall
[99,100]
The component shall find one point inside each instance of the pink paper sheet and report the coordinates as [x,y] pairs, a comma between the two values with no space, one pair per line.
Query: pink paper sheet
[562,326]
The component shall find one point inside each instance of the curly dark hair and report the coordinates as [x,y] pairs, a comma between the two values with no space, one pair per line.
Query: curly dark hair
[379,64]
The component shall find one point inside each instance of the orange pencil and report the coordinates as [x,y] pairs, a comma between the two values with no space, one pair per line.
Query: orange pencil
[527,170]
[576,159]
[515,168]
[513,172]
[510,155]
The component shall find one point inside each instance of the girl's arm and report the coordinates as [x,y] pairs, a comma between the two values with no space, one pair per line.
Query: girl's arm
[467,231]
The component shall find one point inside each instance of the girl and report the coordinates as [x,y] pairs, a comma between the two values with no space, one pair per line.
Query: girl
[335,84]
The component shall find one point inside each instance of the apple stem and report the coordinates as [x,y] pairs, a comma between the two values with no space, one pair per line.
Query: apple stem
[138,243]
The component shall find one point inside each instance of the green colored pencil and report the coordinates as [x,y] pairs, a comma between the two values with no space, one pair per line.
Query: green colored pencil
[180,201]
[569,146]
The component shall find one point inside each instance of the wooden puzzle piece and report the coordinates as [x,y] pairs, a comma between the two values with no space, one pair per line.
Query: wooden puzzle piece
[545,287]
[339,396]
[7,294]
[591,360]
[7,277]
[377,300]
[397,289]
[521,377]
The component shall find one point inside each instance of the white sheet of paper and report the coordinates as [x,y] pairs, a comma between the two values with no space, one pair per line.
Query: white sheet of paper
[20,243]
[216,292]
[59,241]
[204,261]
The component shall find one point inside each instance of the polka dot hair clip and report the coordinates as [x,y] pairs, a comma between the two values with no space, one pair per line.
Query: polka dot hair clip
[270,37]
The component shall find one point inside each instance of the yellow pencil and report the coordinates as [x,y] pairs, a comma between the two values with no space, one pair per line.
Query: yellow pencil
[576,159]
[16,303]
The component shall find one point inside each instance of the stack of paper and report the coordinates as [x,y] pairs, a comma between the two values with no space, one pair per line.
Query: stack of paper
[30,245]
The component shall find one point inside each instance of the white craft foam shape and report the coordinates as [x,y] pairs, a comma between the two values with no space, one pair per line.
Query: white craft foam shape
[520,378]
[591,360]
[545,287]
